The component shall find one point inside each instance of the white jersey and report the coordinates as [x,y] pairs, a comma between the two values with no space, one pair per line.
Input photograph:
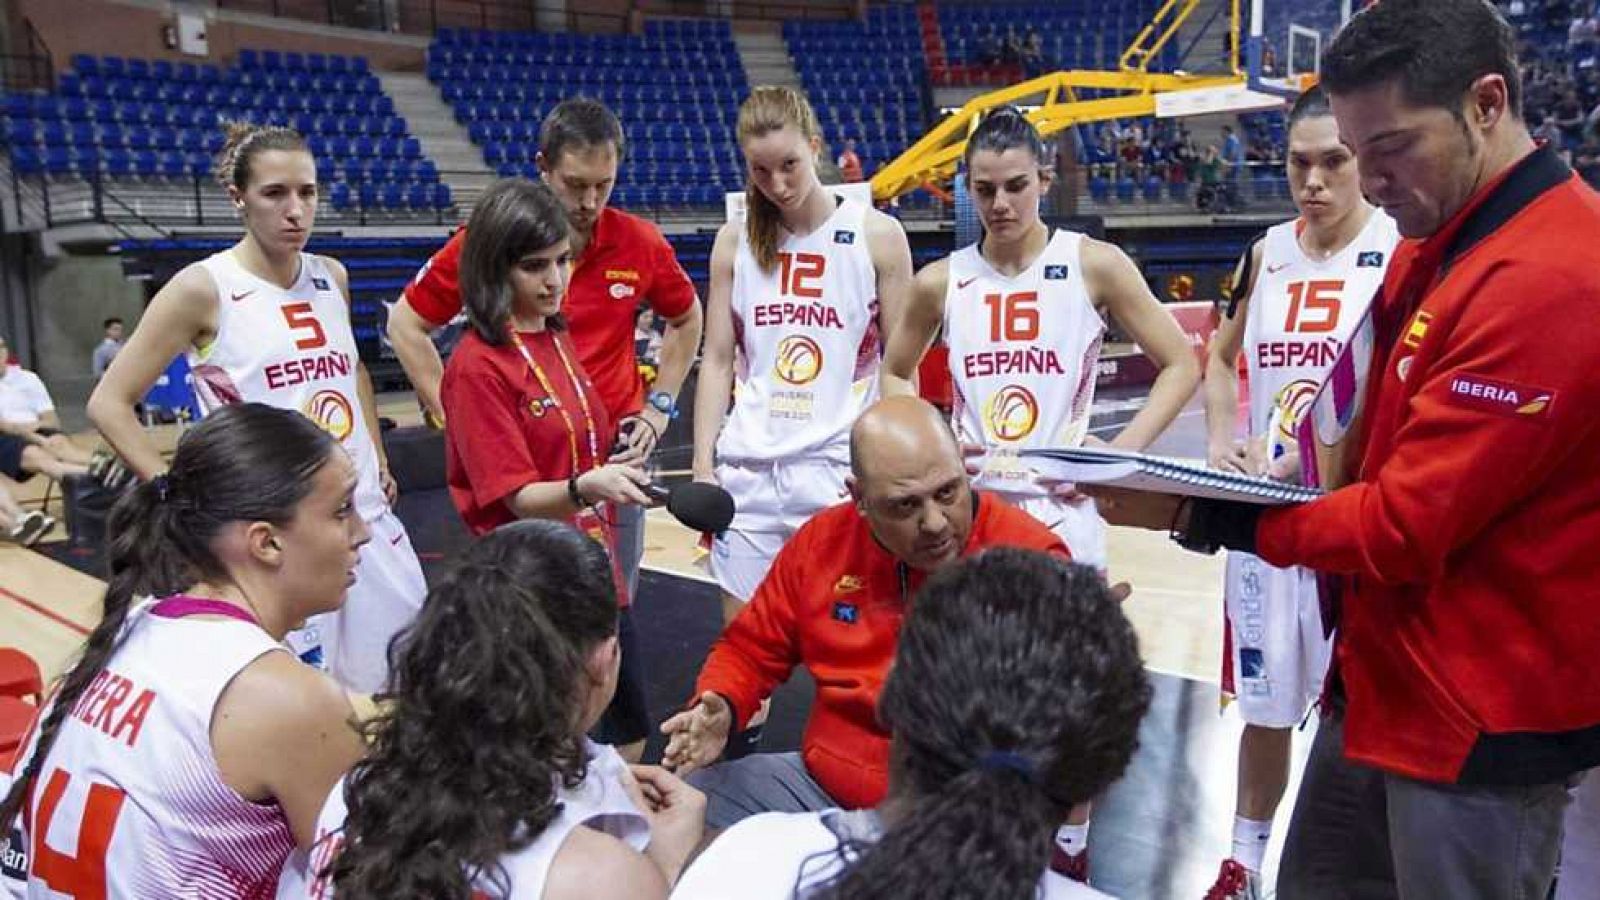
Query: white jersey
[1022,358]
[1301,313]
[129,802]
[599,802]
[292,349]
[772,856]
[808,343]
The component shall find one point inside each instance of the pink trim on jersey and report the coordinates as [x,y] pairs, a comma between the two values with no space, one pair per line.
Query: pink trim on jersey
[180,606]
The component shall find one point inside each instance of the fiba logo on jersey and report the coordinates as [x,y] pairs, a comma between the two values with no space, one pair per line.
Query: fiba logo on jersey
[799,360]
[1013,412]
[332,412]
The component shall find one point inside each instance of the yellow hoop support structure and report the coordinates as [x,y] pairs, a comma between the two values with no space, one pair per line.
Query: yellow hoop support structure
[933,158]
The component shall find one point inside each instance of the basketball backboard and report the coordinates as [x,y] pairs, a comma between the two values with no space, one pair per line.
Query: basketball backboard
[1284,40]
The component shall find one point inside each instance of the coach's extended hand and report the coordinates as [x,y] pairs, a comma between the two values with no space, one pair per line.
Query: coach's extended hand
[697,736]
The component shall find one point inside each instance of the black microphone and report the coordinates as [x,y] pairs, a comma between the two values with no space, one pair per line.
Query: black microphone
[698,505]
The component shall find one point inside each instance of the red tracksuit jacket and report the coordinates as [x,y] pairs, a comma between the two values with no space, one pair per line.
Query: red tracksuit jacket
[833,602]
[1470,631]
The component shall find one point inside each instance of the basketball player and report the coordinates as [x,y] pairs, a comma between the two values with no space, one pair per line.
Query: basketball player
[1022,314]
[186,754]
[489,768]
[801,293]
[1299,292]
[266,322]
[1016,692]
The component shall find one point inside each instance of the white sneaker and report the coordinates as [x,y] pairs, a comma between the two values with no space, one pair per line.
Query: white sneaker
[32,526]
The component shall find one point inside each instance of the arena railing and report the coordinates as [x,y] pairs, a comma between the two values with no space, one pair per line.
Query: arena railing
[32,67]
[426,17]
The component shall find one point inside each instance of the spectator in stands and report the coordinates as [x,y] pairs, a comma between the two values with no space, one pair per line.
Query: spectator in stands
[1233,163]
[1583,31]
[19,526]
[1011,47]
[988,47]
[110,343]
[28,416]
[1569,119]
[1586,160]
[850,163]
[1016,693]
[1033,64]
[1209,198]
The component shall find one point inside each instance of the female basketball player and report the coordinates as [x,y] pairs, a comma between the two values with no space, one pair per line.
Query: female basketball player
[182,755]
[1015,694]
[480,758]
[1022,312]
[528,434]
[1298,294]
[801,292]
[267,322]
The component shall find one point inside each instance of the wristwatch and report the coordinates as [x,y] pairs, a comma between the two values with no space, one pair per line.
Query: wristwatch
[663,402]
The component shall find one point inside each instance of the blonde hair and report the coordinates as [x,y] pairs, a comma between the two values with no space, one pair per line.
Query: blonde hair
[244,141]
[768,109]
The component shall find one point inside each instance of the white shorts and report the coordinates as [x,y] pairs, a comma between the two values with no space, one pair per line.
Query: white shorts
[773,500]
[388,592]
[1077,523]
[1277,654]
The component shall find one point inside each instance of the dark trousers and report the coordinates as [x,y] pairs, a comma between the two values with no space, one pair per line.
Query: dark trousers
[1361,834]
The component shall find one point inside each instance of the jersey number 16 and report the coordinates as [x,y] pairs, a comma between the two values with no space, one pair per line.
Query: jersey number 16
[1013,317]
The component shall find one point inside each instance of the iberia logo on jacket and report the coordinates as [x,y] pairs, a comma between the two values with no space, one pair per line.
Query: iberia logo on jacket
[1504,397]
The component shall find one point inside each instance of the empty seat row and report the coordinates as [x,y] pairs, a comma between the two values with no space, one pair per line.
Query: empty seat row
[709,57]
[307,62]
[390,196]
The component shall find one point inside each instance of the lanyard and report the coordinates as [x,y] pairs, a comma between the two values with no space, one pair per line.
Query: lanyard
[555,401]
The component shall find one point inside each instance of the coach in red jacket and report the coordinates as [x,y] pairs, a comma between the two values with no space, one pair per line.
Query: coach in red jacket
[1470,625]
[833,602]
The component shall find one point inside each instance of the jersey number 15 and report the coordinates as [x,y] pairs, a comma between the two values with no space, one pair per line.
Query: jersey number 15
[1313,306]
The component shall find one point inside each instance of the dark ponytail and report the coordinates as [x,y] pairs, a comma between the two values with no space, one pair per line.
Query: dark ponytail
[1016,694]
[1007,128]
[481,721]
[241,463]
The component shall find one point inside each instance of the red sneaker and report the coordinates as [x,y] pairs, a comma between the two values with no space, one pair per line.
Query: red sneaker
[1235,882]
[1070,865]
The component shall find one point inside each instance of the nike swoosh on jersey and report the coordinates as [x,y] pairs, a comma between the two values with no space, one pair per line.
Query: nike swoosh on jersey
[241,295]
[961,285]
[1273,270]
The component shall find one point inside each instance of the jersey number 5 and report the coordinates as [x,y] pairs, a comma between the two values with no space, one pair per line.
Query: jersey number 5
[1013,317]
[301,318]
[799,274]
[1313,306]
[82,875]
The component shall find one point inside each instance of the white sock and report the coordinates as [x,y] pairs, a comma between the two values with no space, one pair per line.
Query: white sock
[1073,839]
[1250,842]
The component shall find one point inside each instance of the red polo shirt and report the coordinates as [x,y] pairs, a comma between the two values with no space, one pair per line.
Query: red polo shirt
[833,602]
[627,261]
[504,433]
